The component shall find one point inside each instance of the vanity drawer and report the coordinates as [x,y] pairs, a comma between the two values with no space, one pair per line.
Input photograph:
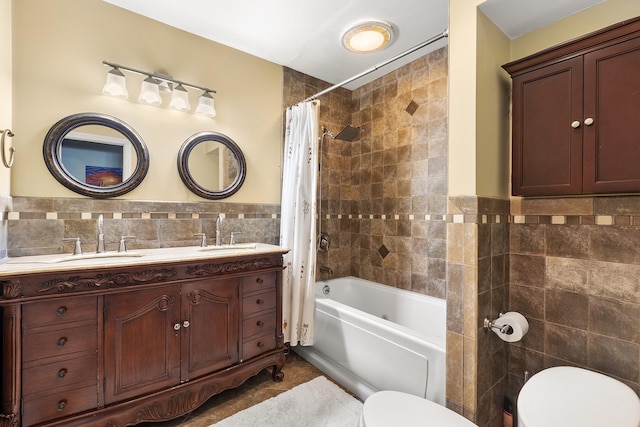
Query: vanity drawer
[60,342]
[257,282]
[43,378]
[258,325]
[51,313]
[258,302]
[258,345]
[59,405]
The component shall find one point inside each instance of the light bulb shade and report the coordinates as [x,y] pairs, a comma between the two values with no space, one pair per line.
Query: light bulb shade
[116,84]
[206,105]
[180,99]
[150,92]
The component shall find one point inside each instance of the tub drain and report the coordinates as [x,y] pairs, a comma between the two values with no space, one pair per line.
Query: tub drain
[326,289]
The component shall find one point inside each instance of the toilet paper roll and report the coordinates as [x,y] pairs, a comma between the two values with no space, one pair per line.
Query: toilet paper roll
[518,323]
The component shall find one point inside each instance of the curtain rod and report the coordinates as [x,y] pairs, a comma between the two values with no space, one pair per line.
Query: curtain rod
[434,39]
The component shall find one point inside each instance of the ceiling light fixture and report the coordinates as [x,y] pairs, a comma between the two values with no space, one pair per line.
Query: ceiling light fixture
[368,37]
[152,85]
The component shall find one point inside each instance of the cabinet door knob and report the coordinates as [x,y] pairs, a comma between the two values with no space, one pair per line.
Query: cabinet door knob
[61,405]
[185,324]
[575,124]
[62,372]
[176,326]
[62,341]
[260,344]
[260,280]
[260,323]
[259,301]
[588,121]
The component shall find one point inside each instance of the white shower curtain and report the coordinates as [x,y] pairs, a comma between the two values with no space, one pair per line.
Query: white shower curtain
[298,221]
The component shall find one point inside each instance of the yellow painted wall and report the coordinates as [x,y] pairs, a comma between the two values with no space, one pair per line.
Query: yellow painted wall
[493,87]
[5,86]
[58,49]
[462,96]
[589,20]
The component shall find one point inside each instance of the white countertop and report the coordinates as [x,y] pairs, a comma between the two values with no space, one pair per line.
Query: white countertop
[60,262]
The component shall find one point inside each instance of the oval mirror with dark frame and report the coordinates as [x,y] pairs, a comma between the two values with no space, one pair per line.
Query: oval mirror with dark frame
[96,155]
[211,165]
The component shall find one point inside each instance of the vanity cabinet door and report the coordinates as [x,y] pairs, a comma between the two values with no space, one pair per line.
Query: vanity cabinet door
[210,326]
[142,342]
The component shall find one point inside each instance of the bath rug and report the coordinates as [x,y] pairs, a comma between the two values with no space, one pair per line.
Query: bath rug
[317,403]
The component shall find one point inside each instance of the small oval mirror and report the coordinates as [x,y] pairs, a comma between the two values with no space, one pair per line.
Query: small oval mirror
[211,165]
[95,155]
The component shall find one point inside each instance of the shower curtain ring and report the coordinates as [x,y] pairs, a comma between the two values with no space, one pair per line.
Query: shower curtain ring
[7,163]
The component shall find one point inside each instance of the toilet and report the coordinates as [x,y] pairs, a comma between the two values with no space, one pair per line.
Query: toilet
[394,408]
[567,396]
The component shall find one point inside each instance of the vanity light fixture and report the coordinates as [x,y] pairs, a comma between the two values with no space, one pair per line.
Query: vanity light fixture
[153,84]
[180,99]
[206,105]
[368,37]
[116,84]
[150,92]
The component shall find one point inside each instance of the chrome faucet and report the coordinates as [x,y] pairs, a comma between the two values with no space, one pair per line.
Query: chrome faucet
[100,230]
[219,229]
[326,269]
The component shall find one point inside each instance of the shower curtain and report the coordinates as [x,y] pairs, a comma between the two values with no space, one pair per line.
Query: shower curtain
[298,221]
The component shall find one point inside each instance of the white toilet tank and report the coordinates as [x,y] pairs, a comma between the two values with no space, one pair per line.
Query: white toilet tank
[565,396]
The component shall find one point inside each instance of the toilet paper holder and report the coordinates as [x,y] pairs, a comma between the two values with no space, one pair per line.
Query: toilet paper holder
[490,324]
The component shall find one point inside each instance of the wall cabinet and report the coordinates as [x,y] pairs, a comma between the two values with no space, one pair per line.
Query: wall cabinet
[132,344]
[574,117]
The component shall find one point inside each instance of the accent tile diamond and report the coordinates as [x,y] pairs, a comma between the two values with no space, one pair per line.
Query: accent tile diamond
[383,251]
[412,107]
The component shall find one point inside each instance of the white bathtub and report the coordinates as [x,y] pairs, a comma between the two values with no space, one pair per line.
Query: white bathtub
[372,337]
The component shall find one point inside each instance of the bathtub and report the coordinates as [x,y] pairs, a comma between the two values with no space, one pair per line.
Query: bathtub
[370,337]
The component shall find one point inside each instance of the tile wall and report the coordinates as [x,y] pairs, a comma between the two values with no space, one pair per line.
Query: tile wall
[575,275]
[37,226]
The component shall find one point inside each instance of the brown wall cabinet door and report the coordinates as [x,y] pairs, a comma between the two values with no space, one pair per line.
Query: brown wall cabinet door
[547,135]
[612,106]
[142,342]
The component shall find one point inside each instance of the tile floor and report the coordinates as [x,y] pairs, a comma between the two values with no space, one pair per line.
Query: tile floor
[255,390]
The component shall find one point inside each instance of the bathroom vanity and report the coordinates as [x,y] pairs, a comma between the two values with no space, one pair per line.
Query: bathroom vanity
[146,336]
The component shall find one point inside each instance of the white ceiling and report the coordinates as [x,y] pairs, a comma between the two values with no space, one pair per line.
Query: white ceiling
[305,34]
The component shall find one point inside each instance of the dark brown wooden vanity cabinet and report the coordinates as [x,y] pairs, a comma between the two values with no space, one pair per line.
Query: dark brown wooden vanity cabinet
[575,116]
[124,345]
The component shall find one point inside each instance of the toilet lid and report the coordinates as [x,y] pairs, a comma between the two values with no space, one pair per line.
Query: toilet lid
[393,408]
[568,396]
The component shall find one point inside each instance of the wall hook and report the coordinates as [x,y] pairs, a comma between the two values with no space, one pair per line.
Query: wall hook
[12,151]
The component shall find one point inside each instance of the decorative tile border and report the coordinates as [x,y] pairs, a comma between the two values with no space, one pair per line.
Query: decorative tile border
[16,216]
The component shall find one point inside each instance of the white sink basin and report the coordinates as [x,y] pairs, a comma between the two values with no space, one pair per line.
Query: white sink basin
[58,258]
[237,246]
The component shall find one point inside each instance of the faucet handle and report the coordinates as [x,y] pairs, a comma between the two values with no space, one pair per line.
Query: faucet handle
[123,243]
[232,239]
[77,249]
[203,239]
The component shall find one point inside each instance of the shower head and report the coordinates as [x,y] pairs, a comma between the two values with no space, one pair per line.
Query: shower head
[349,133]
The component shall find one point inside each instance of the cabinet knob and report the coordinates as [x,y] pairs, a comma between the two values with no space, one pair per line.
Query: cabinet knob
[588,121]
[61,405]
[260,280]
[260,323]
[176,326]
[62,372]
[575,124]
[259,301]
[62,341]
[61,310]
[185,324]
[260,344]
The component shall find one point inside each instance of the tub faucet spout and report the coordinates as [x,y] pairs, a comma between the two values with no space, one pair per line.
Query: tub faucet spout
[326,269]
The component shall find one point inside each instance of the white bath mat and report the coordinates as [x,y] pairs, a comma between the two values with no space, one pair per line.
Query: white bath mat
[317,403]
